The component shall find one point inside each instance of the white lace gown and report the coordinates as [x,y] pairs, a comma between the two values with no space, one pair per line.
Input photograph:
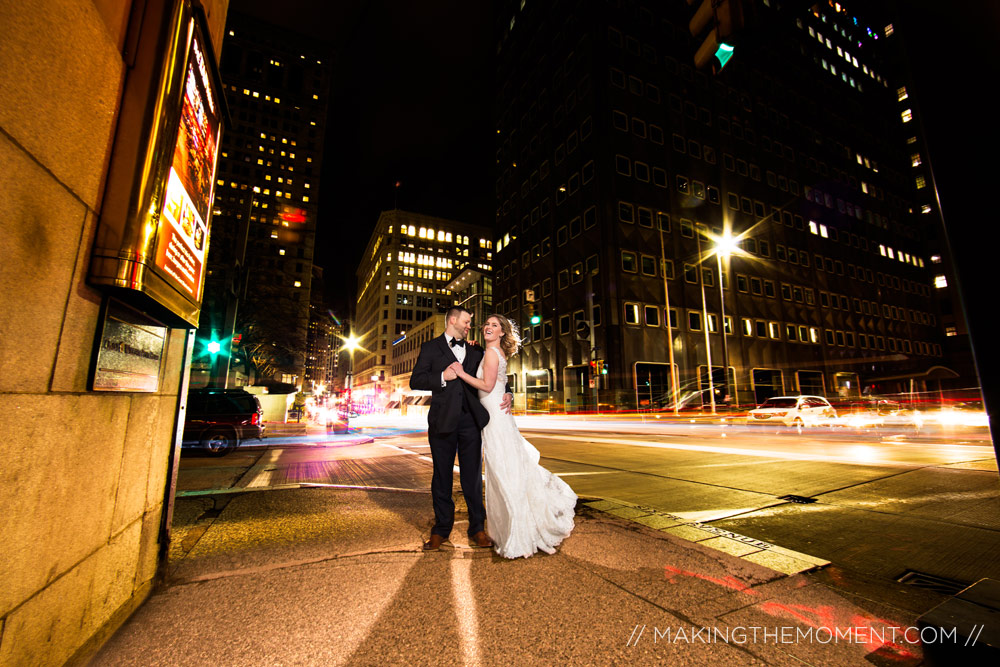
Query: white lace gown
[527,507]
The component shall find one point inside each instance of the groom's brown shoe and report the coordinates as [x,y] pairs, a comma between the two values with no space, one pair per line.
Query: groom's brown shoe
[434,544]
[481,540]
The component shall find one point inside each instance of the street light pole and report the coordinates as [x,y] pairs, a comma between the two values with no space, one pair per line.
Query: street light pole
[593,342]
[704,314]
[351,343]
[670,328]
[726,398]
[724,247]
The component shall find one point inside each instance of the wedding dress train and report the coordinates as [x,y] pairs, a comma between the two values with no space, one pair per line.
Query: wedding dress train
[527,507]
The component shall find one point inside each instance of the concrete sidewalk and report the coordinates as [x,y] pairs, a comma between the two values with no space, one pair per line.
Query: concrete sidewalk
[322,576]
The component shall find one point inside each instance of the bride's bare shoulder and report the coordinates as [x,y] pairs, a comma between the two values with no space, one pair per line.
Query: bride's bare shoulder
[499,353]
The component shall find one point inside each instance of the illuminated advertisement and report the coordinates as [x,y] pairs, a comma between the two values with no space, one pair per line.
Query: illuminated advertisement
[182,235]
[129,353]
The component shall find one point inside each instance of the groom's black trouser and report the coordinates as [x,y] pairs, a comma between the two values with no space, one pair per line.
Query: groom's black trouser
[467,441]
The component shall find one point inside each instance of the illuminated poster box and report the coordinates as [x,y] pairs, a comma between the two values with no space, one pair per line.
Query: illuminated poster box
[153,237]
[129,351]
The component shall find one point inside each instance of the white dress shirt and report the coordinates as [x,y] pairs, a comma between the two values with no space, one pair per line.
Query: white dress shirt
[457,350]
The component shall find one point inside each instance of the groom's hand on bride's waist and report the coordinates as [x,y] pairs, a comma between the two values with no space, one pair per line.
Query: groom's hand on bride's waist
[507,404]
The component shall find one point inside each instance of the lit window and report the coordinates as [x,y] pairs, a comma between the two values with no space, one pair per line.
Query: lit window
[888,30]
[940,282]
[901,93]
[921,182]
[281,251]
[297,283]
[907,115]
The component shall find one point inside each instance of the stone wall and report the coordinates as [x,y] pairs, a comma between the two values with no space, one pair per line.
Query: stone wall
[82,474]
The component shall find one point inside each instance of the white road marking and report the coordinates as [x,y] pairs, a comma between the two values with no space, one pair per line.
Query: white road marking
[420,456]
[258,475]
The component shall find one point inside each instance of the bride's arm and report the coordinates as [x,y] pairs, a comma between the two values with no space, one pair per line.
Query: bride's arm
[490,366]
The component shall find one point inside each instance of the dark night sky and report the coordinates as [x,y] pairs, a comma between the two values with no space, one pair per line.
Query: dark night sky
[412,101]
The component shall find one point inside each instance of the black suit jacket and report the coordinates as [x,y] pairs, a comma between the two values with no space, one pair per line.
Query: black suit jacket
[446,402]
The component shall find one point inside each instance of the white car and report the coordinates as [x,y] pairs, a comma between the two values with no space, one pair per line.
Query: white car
[793,411]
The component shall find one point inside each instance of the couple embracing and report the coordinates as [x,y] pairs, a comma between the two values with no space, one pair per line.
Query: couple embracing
[527,507]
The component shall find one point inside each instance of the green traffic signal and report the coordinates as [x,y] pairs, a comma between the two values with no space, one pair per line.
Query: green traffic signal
[536,318]
[723,54]
[213,347]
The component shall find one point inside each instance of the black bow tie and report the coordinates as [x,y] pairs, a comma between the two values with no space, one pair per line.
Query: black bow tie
[455,341]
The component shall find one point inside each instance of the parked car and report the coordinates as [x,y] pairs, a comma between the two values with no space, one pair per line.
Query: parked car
[218,420]
[793,411]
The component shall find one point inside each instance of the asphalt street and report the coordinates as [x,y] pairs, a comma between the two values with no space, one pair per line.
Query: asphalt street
[911,515]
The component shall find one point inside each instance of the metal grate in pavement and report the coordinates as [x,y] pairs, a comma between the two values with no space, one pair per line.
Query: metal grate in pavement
[932,582]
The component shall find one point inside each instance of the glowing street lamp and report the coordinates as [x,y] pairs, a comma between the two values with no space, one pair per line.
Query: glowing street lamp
[351,343]
[725,246]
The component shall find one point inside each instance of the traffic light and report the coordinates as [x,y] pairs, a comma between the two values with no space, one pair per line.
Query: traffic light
[536,318]
[725,18]
[213,346]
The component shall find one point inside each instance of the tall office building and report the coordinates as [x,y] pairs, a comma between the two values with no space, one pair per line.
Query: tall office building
[323,342]
[277,88]
[403,279]
[622,167]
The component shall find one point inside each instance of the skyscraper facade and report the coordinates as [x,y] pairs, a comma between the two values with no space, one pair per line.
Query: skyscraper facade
[323,341]
[277,88]
[403,279]
[764,220]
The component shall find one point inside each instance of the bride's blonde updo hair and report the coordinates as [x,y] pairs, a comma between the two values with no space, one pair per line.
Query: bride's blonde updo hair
[510,342]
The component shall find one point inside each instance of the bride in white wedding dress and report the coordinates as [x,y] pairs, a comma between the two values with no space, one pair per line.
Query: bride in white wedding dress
[527,507]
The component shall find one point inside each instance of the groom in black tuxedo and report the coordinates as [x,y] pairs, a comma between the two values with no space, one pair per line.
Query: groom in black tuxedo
[454,424]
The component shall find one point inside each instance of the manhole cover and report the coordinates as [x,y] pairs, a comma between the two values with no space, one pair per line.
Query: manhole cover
[802,500]
[932,582]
